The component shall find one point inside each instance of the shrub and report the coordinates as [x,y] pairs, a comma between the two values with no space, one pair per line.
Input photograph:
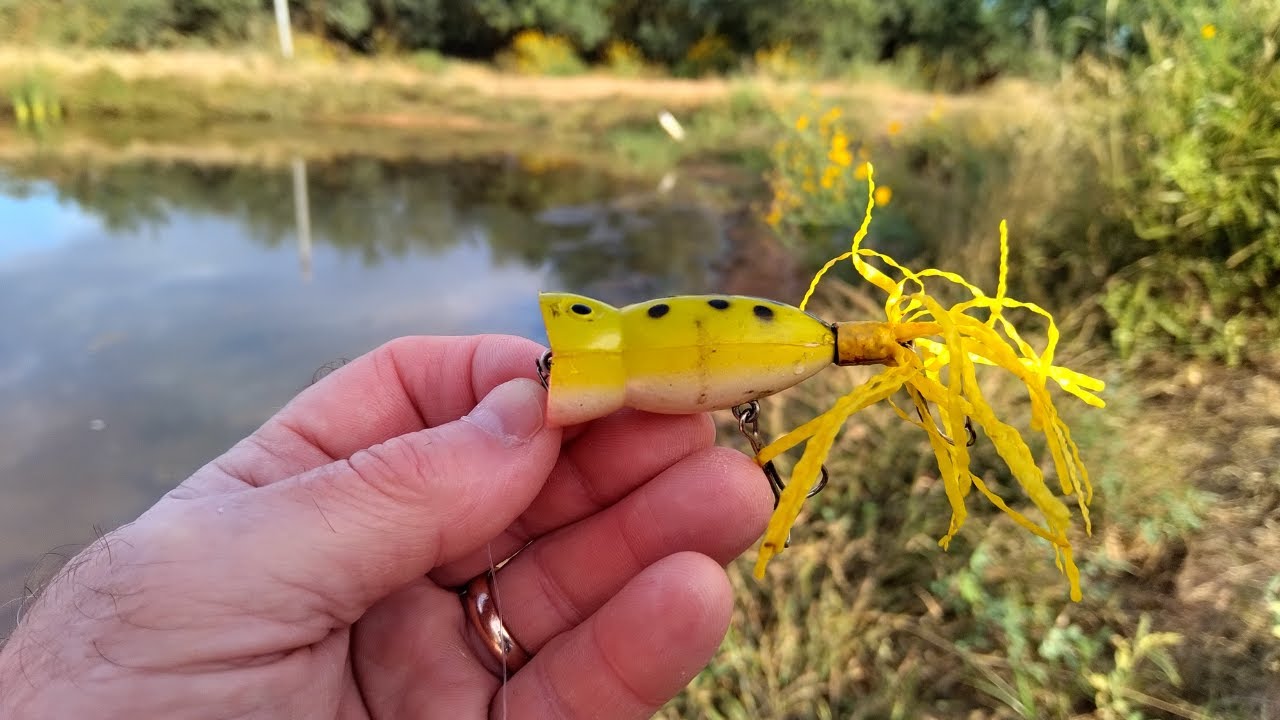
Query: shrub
[351,20]
[129,24]
[783,62]
[217,20]
[534,53]
[710,54]
[624,58]
[584,22]
[1193,165]
[819,180]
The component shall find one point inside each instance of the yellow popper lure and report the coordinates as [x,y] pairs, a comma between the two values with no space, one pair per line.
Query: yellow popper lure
[711,352]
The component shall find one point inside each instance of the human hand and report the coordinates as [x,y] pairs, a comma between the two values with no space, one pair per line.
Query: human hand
[311,570]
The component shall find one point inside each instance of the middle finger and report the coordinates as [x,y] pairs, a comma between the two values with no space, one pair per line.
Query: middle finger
[714,502]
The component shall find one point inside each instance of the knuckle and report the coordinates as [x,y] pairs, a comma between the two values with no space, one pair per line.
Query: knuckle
[556,592]
[399,468]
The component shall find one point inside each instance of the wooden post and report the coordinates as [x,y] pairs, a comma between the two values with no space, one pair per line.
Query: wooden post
[282,25]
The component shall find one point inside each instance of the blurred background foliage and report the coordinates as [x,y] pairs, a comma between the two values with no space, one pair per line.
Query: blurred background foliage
[950,43]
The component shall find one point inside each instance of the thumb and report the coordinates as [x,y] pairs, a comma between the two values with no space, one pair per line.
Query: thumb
[353,531]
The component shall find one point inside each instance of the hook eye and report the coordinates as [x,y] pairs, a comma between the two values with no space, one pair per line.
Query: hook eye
[544,370]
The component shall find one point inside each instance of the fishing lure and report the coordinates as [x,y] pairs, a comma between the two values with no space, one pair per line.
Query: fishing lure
[712,352]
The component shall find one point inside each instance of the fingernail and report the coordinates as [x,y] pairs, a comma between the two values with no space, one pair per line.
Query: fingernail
[512,412]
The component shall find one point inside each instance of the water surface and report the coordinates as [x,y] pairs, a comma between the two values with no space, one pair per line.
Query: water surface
[152,314]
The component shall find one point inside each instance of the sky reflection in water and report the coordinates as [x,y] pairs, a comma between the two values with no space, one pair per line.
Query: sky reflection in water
[152,315]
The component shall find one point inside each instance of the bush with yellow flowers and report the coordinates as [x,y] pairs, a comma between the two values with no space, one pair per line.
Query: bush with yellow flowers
[819,174]
[625,59]
[535,53]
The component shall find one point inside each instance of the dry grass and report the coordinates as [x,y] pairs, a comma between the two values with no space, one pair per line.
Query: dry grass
[256,71]
[260,68]
[1228,423]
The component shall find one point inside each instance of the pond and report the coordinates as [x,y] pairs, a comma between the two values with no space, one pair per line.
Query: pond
[153,313]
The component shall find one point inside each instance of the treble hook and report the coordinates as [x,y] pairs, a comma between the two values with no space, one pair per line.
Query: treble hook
[971,435]
[748,415]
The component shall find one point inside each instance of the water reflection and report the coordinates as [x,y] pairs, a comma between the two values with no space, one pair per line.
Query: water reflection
[153,314]
[302,214]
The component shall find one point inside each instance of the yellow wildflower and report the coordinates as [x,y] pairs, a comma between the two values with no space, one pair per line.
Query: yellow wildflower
[829,176]
[802,123]
[862,170]
[883,195]
[827,119]
[895,127]
[1209,31]
[932,353]
[774,218]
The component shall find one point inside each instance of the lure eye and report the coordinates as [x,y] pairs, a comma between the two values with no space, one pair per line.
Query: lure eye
[580,309]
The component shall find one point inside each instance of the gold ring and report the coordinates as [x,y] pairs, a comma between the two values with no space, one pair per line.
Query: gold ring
[505,655]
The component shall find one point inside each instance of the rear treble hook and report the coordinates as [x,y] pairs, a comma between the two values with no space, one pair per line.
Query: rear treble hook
[971,435]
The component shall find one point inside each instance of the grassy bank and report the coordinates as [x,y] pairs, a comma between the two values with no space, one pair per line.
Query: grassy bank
[178,96]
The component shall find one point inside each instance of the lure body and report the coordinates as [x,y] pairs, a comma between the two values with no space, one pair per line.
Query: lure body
[676,355]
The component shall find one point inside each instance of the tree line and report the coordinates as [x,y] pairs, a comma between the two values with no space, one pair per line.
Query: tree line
[960,42]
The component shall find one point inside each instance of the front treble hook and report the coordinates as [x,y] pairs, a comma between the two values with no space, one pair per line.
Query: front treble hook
[748,415]
[544,370]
